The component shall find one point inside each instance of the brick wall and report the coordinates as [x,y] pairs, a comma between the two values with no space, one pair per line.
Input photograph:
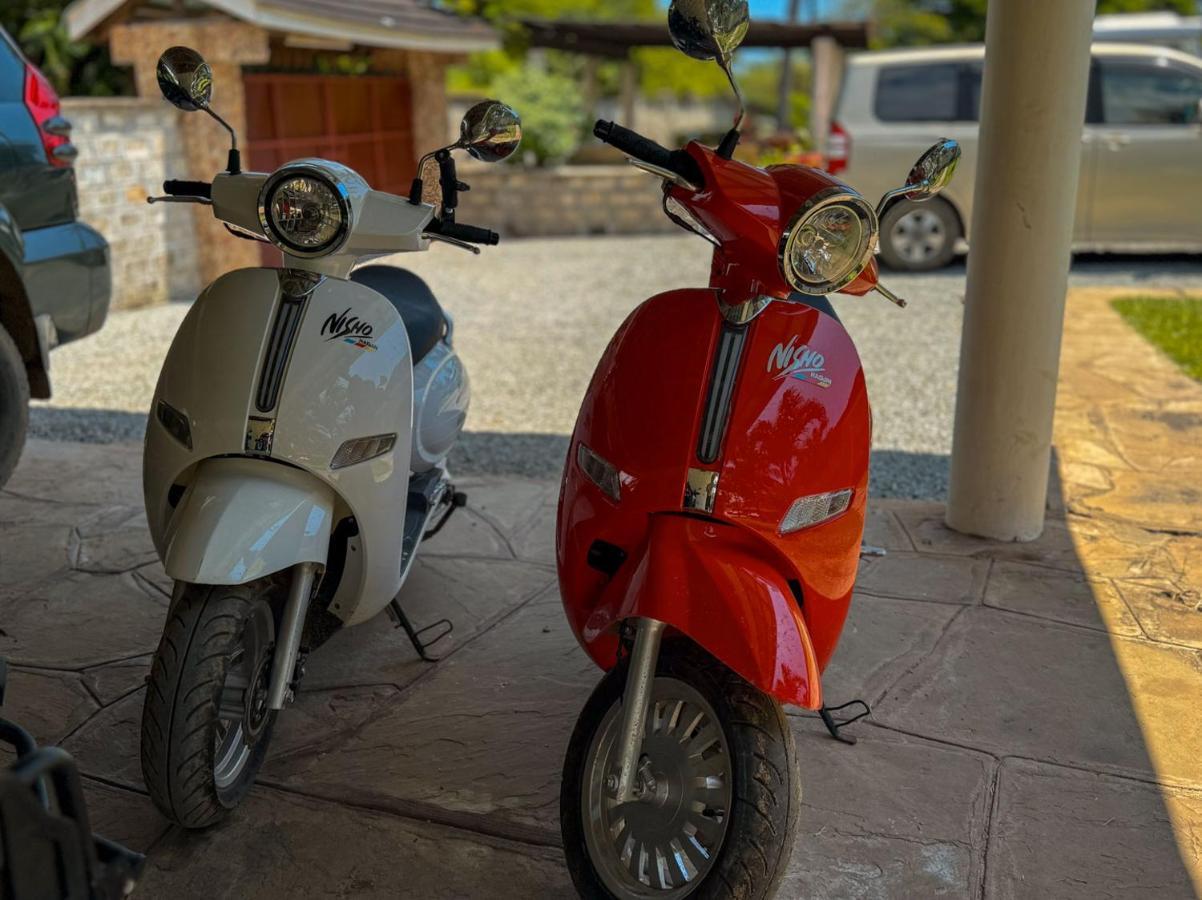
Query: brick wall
[519,202]
[127,147]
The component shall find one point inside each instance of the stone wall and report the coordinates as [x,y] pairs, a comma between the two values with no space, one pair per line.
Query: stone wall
[127,148]
[520,202]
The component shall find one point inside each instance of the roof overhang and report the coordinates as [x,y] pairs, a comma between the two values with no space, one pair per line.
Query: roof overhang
[82,17]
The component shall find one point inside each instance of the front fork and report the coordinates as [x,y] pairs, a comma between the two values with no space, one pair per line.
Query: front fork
[287,645]
[636,697]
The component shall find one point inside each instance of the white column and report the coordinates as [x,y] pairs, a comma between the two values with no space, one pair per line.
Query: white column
[1036,75]
[826,55]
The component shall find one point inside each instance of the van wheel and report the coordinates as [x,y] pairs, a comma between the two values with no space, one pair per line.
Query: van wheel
[205,722]
[14,405]
[919,237]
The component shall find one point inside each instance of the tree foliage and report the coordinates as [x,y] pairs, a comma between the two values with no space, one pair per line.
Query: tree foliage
[900,23]
[552,109]
[73,67]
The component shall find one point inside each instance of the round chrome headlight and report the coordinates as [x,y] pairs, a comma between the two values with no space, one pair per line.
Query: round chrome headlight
[828,243]
[304,212]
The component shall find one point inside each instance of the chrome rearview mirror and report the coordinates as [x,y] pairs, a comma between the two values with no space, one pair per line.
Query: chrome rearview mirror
[185,79]
[490,131]
[930,175]
[711,29]
[186,82]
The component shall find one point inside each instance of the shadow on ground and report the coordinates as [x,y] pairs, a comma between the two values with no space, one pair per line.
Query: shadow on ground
[895,473]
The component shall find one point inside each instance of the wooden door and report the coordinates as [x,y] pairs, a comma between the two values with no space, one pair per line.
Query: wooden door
[362,121]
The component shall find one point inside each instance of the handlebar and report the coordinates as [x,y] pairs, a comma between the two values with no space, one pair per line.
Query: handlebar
[175,188]
[646,150]
[469,233]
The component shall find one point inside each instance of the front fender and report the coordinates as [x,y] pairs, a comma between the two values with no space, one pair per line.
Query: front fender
[242,519]
[720,587]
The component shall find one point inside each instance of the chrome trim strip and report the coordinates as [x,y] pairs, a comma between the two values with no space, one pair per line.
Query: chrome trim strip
[700,490]
[721,389]
[742,313]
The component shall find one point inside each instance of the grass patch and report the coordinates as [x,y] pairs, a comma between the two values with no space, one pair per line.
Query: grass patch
[1172,324]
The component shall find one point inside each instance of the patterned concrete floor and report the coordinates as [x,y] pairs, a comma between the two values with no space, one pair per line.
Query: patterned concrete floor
[1003,754]
[1035,729]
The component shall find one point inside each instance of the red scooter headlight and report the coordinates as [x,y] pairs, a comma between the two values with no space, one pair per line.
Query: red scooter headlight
[828,242]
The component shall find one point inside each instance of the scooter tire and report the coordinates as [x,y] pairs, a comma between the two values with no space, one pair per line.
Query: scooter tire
[766,799]
[180,715]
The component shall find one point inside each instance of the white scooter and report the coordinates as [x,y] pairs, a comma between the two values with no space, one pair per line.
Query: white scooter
[296,450]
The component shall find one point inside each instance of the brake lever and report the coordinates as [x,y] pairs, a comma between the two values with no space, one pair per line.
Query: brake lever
[203,201]
[889,295]
[454,242]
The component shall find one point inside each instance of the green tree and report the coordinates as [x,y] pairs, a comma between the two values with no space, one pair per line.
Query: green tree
[73,67]
[552,110]
[900,23]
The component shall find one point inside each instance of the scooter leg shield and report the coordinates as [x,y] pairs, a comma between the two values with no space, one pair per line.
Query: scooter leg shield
[242,519]
[715,584]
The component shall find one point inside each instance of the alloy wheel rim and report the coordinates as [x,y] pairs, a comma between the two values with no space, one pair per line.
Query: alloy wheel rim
[663,844]
[241,716]
[918,236]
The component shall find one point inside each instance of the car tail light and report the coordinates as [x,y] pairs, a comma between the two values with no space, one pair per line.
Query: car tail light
[43,105]
[838,149]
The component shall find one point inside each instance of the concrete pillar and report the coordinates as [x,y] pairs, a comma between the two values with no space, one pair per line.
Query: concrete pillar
[1036,75]
[826,60]
[227,46]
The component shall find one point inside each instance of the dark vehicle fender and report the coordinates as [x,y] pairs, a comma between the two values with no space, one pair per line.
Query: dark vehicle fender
[15,313]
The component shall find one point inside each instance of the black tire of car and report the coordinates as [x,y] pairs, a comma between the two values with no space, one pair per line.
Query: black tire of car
[890,255]
[179,716]
[767,787]
[14,405]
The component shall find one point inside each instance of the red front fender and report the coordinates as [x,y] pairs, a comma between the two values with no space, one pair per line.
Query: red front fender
[722,588]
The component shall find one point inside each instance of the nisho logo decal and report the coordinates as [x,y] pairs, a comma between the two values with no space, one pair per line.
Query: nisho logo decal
[799,361]
[348,329]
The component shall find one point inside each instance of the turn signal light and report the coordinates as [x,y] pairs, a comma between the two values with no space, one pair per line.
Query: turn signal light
[600,472]
[362,449]
[175,422]
[808,511]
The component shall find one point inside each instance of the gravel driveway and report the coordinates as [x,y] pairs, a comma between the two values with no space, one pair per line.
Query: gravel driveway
[533,316]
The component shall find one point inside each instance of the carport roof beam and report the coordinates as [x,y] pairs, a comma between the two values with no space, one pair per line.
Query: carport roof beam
[616,39]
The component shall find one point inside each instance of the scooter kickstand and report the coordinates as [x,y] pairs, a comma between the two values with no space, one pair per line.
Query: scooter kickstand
[836,728]
[445,626]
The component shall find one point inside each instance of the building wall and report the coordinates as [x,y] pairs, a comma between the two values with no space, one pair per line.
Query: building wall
[569,200]
[127,148]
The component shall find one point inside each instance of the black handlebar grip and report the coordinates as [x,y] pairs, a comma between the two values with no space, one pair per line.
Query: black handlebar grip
[469,233]
[175,188]
[642,148]
[633,144]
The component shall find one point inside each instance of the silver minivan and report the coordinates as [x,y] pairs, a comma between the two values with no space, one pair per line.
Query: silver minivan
[1141,168]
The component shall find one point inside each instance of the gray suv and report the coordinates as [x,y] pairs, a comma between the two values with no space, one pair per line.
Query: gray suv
[1141,168]
[54,270]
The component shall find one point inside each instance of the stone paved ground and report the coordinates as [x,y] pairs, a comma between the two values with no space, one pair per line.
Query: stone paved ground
[1035,729]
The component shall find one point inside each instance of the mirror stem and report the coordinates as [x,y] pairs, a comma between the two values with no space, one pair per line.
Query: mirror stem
[234,162]
[741,112]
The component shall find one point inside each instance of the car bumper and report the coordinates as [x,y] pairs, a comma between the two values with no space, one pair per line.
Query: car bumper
[68,278]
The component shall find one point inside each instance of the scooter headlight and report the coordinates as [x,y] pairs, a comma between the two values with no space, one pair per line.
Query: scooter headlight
[304,213]
[828,243]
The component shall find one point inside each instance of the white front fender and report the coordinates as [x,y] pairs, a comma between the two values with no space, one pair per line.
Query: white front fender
[242,519]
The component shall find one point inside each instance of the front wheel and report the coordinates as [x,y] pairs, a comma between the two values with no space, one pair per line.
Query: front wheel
[718,793]
[205,722]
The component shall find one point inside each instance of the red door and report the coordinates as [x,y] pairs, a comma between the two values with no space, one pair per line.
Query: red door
[362,121]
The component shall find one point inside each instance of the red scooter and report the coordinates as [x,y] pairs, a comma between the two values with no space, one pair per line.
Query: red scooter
[711,516]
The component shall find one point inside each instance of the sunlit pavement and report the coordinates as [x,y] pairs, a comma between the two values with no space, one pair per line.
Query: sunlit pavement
[1034,733]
